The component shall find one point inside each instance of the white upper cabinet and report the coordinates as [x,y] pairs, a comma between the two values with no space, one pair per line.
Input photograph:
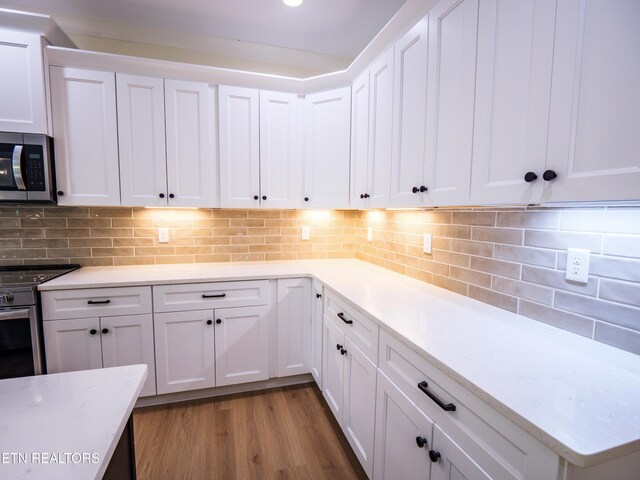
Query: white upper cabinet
[513,86]
[281,181]
[141,140]
[22,98]
[83,106]
[409,116]
[450,100]
[595,102]
[327,118]
[360,140]
[239,123]
[191,153]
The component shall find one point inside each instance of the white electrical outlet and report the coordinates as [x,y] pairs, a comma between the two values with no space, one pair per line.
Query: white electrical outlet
[163,235]
[306,232]
[369,234]
[578,265]
[426,243]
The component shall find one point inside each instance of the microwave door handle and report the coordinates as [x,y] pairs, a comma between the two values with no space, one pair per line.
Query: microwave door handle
[17,170]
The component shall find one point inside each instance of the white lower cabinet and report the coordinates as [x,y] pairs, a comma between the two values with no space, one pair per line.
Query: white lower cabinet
[87,343]
[453,463]
[349,381]
[403,435]
[315,349]
[294,326]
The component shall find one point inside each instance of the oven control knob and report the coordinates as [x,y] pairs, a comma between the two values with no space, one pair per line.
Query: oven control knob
[7,297]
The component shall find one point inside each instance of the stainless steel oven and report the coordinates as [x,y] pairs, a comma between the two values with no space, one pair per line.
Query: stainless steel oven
[26,168]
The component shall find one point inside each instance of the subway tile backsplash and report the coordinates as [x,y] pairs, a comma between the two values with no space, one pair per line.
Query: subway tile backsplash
[513,258]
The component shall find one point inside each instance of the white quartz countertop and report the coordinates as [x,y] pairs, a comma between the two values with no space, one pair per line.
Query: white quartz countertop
[579,397]
[65,425]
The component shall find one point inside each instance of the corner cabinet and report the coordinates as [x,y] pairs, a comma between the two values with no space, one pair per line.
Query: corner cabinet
[294,326]
[85,131]
[327,120]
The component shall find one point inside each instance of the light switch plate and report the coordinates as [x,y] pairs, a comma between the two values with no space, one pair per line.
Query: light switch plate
[163,235]
[426,243]
[306,232]
[578,265]
[369,234]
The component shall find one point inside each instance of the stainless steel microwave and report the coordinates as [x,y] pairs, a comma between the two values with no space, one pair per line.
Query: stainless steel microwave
[26,168]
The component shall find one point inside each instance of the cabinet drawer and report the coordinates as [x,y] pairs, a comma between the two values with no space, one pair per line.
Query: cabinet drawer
[501,448]
[95,302]
[198,296]
[362,331]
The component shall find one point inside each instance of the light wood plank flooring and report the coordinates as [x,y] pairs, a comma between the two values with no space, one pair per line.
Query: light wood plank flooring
[284,433]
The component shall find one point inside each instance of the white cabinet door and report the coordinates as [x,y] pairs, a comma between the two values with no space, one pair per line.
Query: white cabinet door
[410,84]
[294,326]
[453,30]
[359,407]
[242,345]
[332,367]
[401,427]
[184,348]
[327,117]
[315,352]
[72,345]
[513,88]
[454,463]
[22,98]
[281,173]
[239,120]
[191,153]
[595,102]
[128,340]
[141,141]
[380,129]
[83,104]
[360,141]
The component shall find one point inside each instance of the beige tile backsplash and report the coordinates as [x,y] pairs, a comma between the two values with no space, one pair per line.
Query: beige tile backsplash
[513,258]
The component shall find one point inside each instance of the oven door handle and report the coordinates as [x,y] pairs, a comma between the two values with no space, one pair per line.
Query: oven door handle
[17,169]
[14,314]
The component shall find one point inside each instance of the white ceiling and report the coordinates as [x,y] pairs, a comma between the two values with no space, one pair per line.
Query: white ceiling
[339,28]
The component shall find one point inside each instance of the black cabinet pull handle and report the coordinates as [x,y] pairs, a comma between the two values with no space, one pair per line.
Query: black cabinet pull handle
[423,189]
[218,321]
[105,330]
[256,197]
[343,351]
[264,197]
[93,331]
[338,346]
[447,407]
[530,177]
[171,195]
[549,175]
[421,442]
[341,316]
[60,193]
[98,302]
[209,322]
[415,189]
[318,295]
[434,456]
[217,295]
[306,199]
[161,195]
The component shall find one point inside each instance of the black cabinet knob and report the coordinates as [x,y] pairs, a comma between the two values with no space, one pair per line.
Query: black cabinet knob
[306,199]
[530,177]
[549,175]
[423,189]
[421,442]
[60,193]
[343,351]
[218,321]
[93,331]
[318,295]
[171,195]
[366,195]
[264,197]
[161,195]
[434,456]
[256,197]
[338,347]
[362,195]
[415,189]
[105,331]
[209,322]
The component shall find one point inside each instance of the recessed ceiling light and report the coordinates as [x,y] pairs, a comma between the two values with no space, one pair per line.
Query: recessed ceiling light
[292,3]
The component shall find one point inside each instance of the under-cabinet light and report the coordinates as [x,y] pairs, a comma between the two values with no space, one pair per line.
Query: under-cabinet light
[292,3]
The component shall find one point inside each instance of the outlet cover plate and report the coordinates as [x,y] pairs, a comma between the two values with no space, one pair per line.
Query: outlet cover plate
[306,232]
[163,235]
[426,243]
[370,234]
[578,265]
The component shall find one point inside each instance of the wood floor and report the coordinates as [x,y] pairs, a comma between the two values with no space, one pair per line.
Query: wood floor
[284,433]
